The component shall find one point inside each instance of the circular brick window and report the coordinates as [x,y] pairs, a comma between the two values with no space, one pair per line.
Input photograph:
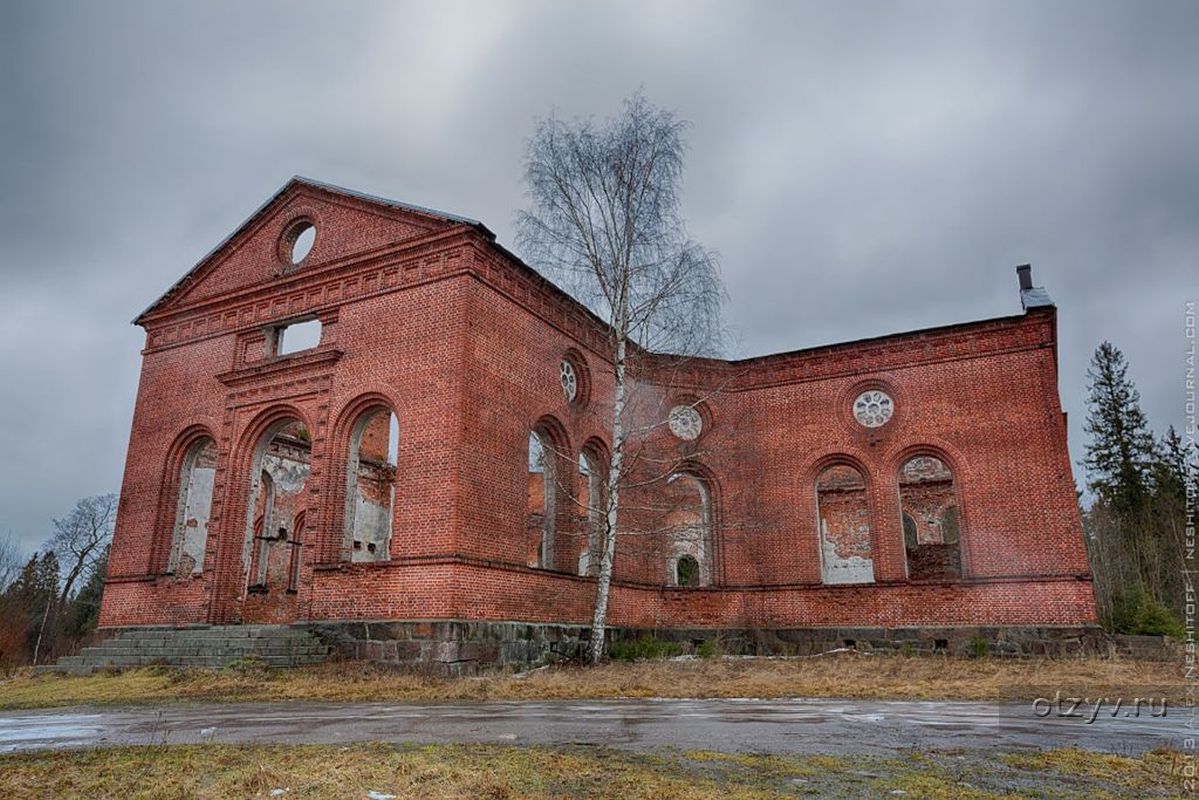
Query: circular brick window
[686,423]
[297,242]
[873,408]
[574,378]
[568,376]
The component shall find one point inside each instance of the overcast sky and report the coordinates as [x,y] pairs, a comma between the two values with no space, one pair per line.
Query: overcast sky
[862,168]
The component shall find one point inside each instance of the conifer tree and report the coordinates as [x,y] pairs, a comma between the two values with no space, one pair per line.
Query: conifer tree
[1121,448]
[1135,526]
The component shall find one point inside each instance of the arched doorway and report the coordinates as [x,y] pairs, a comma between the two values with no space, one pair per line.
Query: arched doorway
[278,502]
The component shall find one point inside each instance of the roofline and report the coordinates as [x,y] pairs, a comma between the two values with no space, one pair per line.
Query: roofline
[373,198]
[917,332]
[489,236]
[328,187]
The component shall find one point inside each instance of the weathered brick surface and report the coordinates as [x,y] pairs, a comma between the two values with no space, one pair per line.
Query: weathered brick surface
[426,316]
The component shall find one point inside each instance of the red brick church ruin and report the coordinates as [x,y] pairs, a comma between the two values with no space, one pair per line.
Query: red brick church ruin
[371,419]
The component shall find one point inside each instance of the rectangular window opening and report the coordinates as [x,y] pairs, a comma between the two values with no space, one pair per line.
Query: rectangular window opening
[297,337]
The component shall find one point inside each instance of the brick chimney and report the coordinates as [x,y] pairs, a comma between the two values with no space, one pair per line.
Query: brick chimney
[1024,272]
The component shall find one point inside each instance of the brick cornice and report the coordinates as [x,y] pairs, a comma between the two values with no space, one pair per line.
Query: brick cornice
[394,267]
[280,365]
[465,251]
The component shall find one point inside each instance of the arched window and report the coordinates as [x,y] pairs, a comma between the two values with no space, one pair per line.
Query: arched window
[294,570]
[190,535]
[264,533]
[540,521]
[928,502]
[278,500]
[689,529]
[370,485]
[592,510]
[846,548]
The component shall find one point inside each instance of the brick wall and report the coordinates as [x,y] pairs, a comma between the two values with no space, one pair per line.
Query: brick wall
[424,316]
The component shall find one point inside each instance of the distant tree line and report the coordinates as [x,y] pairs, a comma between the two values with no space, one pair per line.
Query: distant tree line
[50,603]
[1135,525]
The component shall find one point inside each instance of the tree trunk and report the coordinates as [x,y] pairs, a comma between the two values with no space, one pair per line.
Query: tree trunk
[604,581]
[41,631]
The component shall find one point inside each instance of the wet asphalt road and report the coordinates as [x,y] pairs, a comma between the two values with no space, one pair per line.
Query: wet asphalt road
[774,726]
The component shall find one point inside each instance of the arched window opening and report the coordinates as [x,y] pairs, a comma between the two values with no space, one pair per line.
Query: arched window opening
[540,522]
[278,504]
[592,510]
[687,572]
[370,485]
[688,522]
[927,499]
[190,535]
[293,582]
[846,548]
[263,532]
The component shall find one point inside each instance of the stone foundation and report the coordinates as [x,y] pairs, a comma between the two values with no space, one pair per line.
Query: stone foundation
[455,647]
[961,641]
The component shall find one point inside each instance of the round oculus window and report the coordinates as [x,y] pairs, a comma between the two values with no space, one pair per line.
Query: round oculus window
[873,408]
[685,423]
[299,241]
[569,378]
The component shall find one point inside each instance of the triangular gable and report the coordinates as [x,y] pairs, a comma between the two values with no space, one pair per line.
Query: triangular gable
[346,222]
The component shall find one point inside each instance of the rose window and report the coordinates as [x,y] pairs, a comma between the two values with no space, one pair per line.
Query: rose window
[569,379]
[685,422]
[873,408]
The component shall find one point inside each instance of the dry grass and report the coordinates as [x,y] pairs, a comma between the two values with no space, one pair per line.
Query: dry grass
[1159,769]
[479,771]
[847,675]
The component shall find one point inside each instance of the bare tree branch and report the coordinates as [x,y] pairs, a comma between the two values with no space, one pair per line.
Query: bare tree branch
[604,222]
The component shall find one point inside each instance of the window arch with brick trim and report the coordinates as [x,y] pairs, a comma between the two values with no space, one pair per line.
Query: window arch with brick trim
[371,464]
[928,505]
[688,522]
[843,514]
[189,535]
[591,504]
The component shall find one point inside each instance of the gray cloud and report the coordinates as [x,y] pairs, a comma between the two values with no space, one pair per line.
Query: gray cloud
[863,168]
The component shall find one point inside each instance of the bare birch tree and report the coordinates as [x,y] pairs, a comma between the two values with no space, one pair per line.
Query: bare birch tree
[604,222]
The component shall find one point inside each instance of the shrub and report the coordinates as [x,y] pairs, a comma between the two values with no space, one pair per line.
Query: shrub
[646,647]
[707,649]
[1135,611]
[978,646]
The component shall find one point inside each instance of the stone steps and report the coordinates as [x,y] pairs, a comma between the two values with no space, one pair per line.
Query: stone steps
[211,647]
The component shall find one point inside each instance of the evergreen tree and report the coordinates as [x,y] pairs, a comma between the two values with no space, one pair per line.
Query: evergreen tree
[25,586]
[25,607]
[1135,528]
[1120,452]
[1172,466]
